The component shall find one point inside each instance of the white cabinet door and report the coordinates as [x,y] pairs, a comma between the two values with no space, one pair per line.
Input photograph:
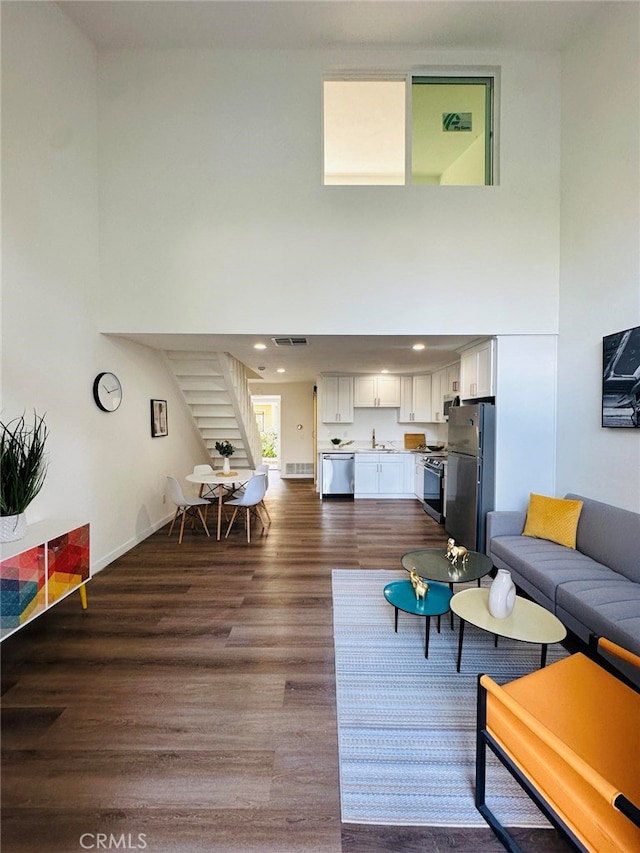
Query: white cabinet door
[337,399]
[438,380]
[376,392]
[405,415]
[366,473]
[453,379]
[389,392]
[468,373]
[391,475]
[477,371]
[485,370]
[418,479]
[422,411]
[364,391]
[415,399]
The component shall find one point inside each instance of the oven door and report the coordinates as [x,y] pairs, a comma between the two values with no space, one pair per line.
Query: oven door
[433,493]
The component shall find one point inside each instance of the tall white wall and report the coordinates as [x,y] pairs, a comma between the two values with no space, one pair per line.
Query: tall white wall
[104,468]
[600,258]
[214,217]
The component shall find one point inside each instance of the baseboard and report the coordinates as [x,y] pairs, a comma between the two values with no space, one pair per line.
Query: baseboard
[105,561]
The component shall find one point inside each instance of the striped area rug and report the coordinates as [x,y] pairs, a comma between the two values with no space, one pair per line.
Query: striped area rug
[406,725]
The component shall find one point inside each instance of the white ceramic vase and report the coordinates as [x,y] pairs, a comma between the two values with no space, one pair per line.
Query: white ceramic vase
[226,465]
[13,527]
[502,595]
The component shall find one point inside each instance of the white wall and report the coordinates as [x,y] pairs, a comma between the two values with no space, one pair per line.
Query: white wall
[296,408]
[600,259]
[104,468]
[525,418]
[212,203]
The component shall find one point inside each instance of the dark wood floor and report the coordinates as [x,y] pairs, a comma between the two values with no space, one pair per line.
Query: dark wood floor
[192,707]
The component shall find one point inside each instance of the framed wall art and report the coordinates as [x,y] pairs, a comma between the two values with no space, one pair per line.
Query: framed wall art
[621,379]
[159,422]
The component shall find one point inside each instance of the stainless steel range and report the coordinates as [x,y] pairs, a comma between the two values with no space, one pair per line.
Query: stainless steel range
[433,498]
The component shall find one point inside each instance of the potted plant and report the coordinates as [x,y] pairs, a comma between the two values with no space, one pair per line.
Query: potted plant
[23,466]
[225,449]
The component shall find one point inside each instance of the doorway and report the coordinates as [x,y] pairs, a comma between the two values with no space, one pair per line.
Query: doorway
[267,411]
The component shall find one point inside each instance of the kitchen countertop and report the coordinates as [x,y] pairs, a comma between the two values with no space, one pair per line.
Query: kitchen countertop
[364,450]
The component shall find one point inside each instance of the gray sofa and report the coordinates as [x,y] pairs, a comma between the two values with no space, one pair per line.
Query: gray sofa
[594,589]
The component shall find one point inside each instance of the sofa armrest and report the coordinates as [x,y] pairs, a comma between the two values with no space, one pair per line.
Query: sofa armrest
[505,523]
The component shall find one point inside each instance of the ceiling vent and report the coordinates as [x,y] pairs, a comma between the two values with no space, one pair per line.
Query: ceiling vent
[290,342]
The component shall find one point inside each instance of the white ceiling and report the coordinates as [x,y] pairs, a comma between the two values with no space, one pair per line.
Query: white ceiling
[304,24]
[308,24]
[328,354]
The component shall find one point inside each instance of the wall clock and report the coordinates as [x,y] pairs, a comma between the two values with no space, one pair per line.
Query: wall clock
[107,392]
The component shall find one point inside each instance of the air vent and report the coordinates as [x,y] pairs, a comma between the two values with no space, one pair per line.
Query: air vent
[290,342]
[298,469]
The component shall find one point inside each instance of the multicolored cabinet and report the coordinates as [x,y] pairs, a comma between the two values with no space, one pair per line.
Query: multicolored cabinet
[40,570]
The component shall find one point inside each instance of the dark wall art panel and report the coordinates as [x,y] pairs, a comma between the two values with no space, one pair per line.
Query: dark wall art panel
[621,379]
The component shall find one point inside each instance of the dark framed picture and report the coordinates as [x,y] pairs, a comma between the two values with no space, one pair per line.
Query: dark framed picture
[621,379]
[159,422]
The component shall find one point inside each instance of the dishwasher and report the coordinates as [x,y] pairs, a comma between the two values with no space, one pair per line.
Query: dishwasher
[338,475]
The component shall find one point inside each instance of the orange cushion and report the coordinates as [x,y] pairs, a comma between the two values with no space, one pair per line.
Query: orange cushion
[555,519]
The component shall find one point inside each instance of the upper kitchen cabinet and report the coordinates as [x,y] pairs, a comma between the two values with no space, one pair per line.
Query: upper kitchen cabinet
[337,399]
[453,379]
[438,390]
[376,392]
[477,371]
[415,399]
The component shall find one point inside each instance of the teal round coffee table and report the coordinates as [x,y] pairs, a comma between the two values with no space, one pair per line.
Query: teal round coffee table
[436,602]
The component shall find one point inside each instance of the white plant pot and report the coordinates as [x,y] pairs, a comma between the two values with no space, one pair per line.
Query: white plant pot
[226,465]
[13,527]
[502,595]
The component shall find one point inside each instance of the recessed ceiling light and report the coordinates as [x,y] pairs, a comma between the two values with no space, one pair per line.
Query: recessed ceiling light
[417,346]
[384,370]
[259,346]
[280,370]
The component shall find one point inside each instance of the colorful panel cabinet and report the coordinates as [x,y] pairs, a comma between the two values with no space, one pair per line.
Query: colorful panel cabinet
[67,563]
[40,570]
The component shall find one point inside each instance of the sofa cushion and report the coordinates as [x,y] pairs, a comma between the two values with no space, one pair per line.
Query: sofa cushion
[609,608]
[610,535]
[545,564]
[555,519]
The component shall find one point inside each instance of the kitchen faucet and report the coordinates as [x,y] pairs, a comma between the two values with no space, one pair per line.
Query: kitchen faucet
[373,439]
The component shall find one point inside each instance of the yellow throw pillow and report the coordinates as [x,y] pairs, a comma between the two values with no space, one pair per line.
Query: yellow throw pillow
[555,519]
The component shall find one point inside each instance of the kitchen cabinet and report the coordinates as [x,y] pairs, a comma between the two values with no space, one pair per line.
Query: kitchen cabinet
[383,475]
[415,399]
[477,371]
[376,392]
[337,399]
[38,571]
[418,477]
[438,385]
[452,379]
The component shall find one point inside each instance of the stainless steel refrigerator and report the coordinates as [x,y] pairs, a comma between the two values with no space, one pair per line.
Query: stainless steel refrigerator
[470,473]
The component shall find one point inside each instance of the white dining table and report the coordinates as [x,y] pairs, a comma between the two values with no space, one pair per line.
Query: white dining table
[231,481]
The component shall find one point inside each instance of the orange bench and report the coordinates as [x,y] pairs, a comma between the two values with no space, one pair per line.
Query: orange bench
[570,735]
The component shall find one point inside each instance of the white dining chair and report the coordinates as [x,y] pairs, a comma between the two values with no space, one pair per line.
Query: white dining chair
[185,507]
[264,468]
[249,501]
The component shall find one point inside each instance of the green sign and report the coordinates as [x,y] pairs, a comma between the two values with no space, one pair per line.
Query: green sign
[456,121]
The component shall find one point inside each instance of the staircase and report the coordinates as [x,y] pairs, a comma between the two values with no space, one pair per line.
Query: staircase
[216,390]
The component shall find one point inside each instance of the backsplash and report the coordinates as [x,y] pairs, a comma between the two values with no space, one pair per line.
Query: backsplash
[388,431]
